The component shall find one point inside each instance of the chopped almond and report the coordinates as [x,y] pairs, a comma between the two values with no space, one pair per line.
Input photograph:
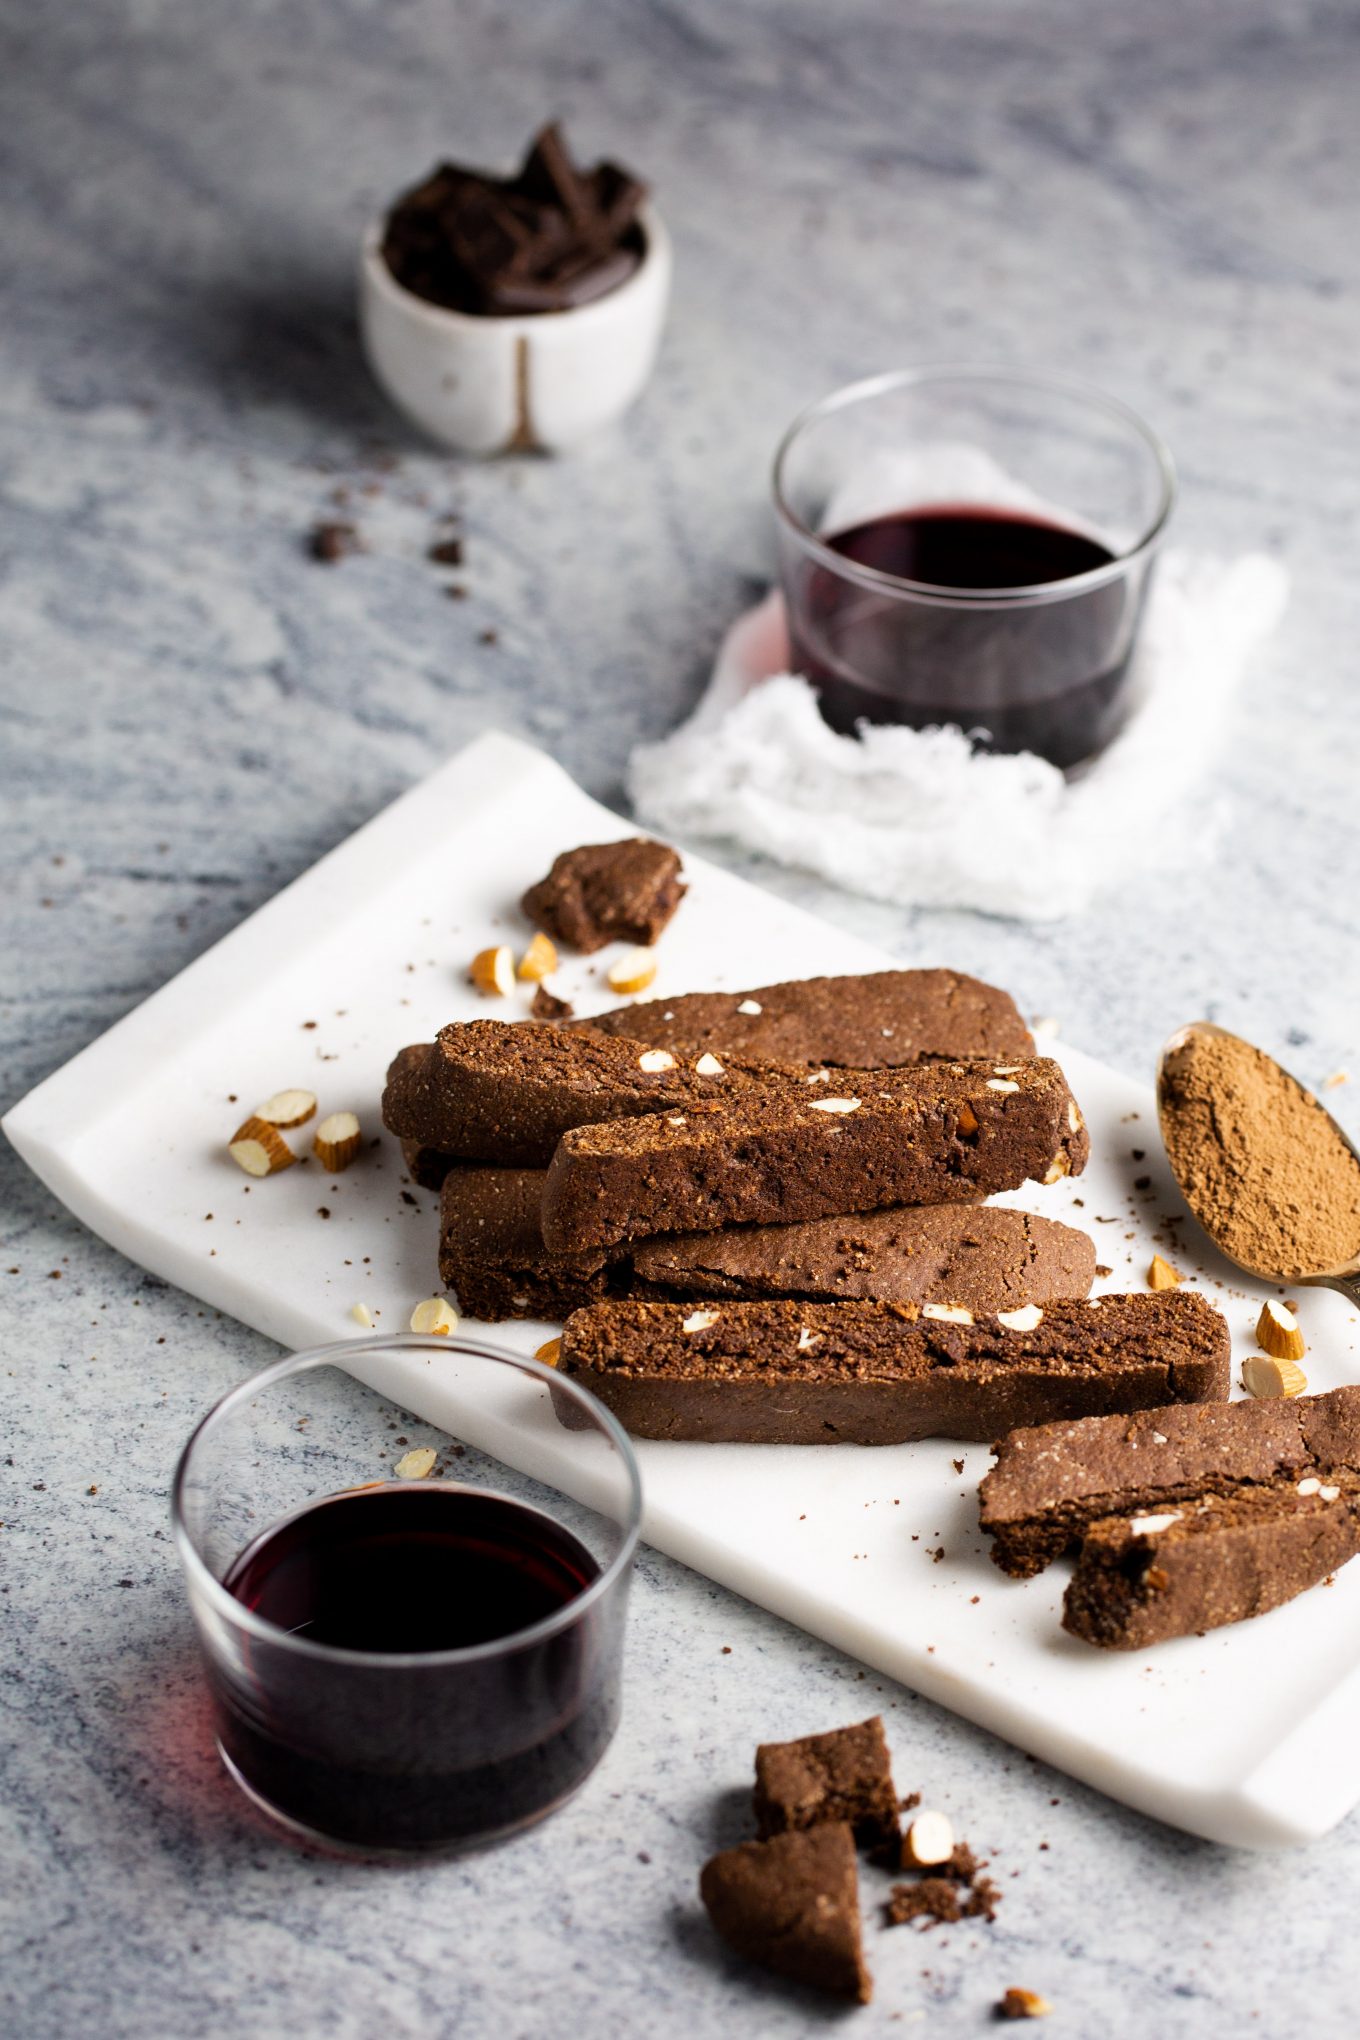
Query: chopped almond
[539,960]
[337,1141]
[493,971]
[1161,1274]
[633,971]
[288,1108]
[259,1148]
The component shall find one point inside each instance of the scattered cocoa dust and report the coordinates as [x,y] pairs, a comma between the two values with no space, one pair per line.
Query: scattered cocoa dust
[1262,1168]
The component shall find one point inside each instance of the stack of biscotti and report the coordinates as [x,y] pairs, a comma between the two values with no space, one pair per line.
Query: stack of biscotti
[1184,1519]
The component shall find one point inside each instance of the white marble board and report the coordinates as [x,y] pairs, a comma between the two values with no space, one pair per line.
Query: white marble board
[1244,1735]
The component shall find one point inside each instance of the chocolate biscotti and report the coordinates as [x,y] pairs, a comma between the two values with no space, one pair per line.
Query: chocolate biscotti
[844,1774]
[1050,1484]
[492,1254]
[792,1904]
[983,1256]
[605,892]
[1177,1572]
[882,1019]
[492,1091]
[941,1133]
[879,1374]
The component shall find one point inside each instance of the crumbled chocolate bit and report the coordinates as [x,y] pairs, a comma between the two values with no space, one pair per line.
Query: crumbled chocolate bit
[334,541]
[447,552]
[932,1899]
[546,1005]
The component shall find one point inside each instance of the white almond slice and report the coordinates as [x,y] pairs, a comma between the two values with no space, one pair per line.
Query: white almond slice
[676,1119]
[928,1841]
[699,1321]
[750,1006]
[287,1108]
[1149,1526]
[1023,1320]
[807,1340]
[417,1464]
[633,971]
[1007,1069]
[708,1066]
[835,1104]
[948,1313]
[1059,1167]
[1311,1486]
[362,1315]
[1329,1494]
[435,1316]
[654,1060]
[1159,1438]
[1002,1084]
[820,1077]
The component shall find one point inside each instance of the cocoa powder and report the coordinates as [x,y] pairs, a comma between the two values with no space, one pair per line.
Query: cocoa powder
[1260,1163]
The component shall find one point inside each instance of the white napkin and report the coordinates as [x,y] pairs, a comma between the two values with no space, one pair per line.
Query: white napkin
[917,816]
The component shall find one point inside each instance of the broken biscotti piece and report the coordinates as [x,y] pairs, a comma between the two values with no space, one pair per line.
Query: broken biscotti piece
[844,1775]
[1142,1579]
[879,1374]
[607,892]
[1051,1483]
[492,1091]
[491,1252]
[792,1904]
[881,1019]
[937,1134]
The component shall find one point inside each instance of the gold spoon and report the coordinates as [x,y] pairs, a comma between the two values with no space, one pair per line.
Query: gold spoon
[1345,1278]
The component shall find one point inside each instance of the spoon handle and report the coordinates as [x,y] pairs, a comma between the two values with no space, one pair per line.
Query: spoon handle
[1349,1286]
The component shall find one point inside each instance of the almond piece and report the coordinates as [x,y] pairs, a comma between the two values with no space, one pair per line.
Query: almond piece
[1161,1274]
[967,1120]
[550,1352]
[539,960]
[1023,2004]
[1151,1526]
[1002,1084]
[632,972]
[699,1321]
[436,1316]
[1311,1486]
[750,1006]
[336,1141]
[287,1108]
[1278,1333]
[708,1066]
[929,1840]
[362,1315]
[1060,1166]
[653,1060]
[833,1104]
[1026,1319]
[493,971]
[948,1313]
[259,1148]
[1265,1376]
[417,1464]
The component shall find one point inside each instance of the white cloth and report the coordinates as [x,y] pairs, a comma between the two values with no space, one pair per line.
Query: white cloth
[917,816]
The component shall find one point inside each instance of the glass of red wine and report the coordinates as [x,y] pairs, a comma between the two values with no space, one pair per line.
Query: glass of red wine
[972,546]
[409,1645]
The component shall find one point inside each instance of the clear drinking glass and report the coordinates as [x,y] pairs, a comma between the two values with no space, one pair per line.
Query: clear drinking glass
[971,546]
[379,1747]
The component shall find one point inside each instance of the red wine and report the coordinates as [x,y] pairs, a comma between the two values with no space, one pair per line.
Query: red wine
[1046,676]
[418,1751]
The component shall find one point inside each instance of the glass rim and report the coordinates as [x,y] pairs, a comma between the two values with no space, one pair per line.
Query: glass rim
[941,594]
[226,1605]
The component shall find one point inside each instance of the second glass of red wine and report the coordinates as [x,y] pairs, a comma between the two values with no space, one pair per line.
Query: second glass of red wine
[411,1645]
[972,546]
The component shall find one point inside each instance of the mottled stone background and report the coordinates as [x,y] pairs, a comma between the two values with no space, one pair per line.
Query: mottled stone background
[1161,197]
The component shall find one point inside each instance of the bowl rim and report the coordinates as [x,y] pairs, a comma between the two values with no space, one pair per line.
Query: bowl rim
[444,320]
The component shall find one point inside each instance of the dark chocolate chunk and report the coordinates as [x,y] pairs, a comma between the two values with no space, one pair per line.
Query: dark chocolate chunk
[876,1374]
[844,1775]
[1142,1579]
[608,892]
[1050,1484]
[792,1904]
[878,1020]
[939,1133]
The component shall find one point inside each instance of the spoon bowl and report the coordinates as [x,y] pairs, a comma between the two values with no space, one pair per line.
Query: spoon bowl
[1345,1278]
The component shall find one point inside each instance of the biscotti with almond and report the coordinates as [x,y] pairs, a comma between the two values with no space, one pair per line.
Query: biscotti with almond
[880,1374]
[497,1091]
[1141,1580]
[1050,1484]
[937,1134]
[883,1019]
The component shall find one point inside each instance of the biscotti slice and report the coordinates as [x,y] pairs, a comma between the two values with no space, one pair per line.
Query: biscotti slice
[1051,1483]
[426,1165]
[495,1091]
[941,1133]
[606,892]
[843,1775]
[1142,1579]
[877,1374]
[881,1019]
[491,1251]
[792,1904]
[984,1256]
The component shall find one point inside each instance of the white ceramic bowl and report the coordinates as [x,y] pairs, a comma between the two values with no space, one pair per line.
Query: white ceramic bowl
[542,380]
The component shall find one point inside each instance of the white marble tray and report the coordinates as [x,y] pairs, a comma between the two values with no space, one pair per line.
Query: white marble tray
[1245,1736]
